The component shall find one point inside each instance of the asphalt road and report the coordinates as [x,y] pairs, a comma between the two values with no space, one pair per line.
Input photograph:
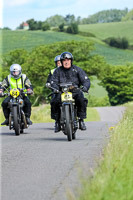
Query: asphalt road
[43,165]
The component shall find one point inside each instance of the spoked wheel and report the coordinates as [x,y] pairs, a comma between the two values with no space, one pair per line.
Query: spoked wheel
[15,121]
[68,128]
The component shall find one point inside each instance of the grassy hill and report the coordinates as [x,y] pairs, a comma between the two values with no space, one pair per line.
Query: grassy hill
[29,39]
[105,30]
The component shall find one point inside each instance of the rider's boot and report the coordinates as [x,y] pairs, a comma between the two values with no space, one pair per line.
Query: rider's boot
[57,127]
[6,122]
[29,122]
[82,125]
[27,115]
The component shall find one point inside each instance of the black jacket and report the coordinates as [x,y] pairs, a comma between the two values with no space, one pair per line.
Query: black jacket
[74,74]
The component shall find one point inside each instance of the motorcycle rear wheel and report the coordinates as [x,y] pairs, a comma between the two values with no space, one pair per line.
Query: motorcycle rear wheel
[15,121]
[68,127]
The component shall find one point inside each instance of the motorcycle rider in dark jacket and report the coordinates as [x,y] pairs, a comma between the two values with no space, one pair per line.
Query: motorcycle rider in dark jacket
[16,80]
[70,73]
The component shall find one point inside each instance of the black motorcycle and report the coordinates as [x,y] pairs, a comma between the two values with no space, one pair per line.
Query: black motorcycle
[17,119]
[68,110]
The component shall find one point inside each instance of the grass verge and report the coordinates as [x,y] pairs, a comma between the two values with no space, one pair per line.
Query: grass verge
[41,114]
[113,179]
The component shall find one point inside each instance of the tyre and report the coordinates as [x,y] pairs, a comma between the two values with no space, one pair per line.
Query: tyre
[68,127]
[15,121]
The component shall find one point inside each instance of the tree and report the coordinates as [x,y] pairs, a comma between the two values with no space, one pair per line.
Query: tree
[118,82]
[69,19]
[106,16]
[73,28]
[45,26]
[16,56]
[55,20]
[61,27]
[129,16]
[6,28]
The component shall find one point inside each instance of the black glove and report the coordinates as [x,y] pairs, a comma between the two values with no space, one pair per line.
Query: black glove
[84,89]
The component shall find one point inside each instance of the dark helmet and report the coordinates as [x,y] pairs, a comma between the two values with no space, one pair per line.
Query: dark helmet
[57,58]
[65,55]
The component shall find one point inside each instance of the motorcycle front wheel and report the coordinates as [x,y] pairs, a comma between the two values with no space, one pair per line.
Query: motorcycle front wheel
[68,127]
[15,121]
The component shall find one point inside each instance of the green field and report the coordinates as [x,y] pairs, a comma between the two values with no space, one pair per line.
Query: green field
[105,30]
[113,55]
[12,40]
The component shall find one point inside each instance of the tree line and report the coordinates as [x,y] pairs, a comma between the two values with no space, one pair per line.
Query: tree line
[106,16]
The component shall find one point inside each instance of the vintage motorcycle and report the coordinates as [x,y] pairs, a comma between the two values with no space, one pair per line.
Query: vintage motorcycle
[17,119]
[68,111]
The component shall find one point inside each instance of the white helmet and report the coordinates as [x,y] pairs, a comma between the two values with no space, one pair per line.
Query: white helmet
[15,68]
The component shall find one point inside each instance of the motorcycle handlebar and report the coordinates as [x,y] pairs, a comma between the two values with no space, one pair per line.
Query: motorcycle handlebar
[55,91]
[8,94]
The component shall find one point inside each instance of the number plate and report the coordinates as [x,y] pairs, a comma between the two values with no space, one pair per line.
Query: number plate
[66,96]
[14,93]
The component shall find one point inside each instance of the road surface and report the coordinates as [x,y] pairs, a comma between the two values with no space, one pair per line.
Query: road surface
[43,165]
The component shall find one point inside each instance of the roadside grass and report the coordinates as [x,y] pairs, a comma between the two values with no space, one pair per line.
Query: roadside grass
[113,179]
[41,114]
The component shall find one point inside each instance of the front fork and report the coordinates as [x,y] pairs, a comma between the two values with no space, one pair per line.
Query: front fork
[11,105]
[62,114]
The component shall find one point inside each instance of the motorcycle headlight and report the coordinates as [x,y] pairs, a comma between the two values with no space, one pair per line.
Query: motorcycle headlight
[65,89]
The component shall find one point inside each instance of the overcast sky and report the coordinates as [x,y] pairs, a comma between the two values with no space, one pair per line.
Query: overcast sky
[14,12]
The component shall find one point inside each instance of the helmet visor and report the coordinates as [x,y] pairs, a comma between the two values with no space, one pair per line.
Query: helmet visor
[15,73]
[68,56]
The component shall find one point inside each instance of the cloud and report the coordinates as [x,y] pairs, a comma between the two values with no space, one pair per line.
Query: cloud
[16,2]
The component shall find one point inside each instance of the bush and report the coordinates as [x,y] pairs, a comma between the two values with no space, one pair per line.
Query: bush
[61,27]
[121,43]
[45,26]
[73,28]
[118,82]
